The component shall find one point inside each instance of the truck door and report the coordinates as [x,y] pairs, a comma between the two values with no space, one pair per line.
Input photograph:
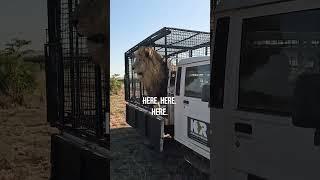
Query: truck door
[274,50]
[192,125]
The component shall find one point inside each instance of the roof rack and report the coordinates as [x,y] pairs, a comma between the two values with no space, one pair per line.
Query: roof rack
[173,44]
[173,41]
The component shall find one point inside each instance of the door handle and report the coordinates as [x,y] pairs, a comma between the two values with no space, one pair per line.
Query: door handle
[243,128]
[185,102]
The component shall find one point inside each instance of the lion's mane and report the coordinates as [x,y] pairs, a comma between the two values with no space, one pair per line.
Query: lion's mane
[155,72]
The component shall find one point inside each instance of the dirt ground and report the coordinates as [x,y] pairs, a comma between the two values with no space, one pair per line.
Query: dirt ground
[134,159]
[25,145]
[25,139]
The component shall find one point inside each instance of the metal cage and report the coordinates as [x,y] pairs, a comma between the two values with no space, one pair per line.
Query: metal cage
[173,44]
[77,89]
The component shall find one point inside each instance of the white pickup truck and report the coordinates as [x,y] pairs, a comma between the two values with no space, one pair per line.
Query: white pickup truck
[191,111]
[265,106]
[188,119]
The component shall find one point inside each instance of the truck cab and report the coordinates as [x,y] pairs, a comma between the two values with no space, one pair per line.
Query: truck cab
[191,111]
[262,48]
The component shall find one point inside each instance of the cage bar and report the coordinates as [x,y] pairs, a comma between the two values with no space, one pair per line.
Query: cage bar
[173,44]
[77,88]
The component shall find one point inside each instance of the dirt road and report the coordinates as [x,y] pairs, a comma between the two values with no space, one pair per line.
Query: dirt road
[133,159]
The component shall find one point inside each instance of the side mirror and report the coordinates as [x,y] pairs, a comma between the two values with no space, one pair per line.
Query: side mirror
[306,101]
[205,94]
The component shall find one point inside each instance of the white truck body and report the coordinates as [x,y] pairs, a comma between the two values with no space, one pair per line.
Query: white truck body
[252,135]
[191,114]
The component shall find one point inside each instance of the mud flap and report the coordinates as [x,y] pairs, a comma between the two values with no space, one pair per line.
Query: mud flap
[71,159]
[149,126]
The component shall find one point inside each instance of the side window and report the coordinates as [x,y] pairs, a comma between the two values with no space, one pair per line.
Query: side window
[178,82]
[218,62]
[196,77]
[275,51]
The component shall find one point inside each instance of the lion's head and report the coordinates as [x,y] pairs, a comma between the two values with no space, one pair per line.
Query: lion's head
[91,21]
[146,61]
[151,70]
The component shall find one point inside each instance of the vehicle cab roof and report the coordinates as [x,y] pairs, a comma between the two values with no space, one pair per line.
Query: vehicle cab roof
[193,60]
[225,5]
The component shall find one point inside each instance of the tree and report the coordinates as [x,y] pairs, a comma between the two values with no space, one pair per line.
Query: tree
[16,48]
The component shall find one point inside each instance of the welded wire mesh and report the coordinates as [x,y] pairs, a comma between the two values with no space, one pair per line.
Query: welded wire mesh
[173,44]
[83,86]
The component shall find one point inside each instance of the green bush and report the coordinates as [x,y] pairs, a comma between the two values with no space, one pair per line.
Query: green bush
[17,78]
[115,84]
[16,75]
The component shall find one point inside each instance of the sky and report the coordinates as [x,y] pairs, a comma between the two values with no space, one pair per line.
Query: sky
[25,20]
[131,21]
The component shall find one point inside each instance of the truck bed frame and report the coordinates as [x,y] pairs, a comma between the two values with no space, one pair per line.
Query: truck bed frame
[173,44]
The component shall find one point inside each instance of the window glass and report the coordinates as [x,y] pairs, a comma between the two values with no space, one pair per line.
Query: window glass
[275,51]
[196,77]
[218,64]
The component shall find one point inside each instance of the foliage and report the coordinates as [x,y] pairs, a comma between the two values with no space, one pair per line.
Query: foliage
[115,84]
[16,48]
[16,75]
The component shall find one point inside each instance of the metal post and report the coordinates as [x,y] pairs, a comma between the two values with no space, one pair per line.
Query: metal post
[51,71]
[140,89]
[71,56]
[165,49]
[107,71]
[77,94]
[98,94]
[132,81]
[126,77]
[59,64]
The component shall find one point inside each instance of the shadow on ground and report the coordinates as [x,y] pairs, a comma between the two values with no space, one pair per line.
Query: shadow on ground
[134,159]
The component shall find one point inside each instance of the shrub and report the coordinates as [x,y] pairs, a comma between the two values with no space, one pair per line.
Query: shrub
[17,78]
[16,75]
[115,84]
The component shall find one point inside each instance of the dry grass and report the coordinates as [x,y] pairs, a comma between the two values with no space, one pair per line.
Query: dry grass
[32,101]
[25,137]
[24,144]
[117,110]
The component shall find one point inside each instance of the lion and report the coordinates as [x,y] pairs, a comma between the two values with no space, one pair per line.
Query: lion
[90,20]
[152,71]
